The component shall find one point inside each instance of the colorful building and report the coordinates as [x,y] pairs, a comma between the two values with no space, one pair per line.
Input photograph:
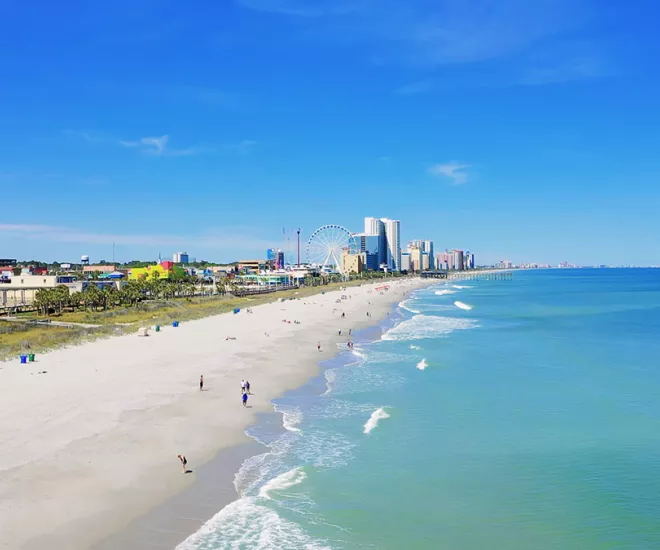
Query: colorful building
[163,270]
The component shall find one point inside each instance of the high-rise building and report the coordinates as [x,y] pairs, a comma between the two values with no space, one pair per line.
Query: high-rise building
[393,241]
[427,248]
[443,260]
[457,259]
[426,261]
[416,258]
[374,226]
[280,259]
[271,255]
[180,258]
[370,245]
[405,261]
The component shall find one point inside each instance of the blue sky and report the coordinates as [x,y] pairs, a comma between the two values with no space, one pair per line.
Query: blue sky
[518,129]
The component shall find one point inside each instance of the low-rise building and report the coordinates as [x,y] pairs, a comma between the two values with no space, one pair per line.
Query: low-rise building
[21,290]
[255,266]
[163,270]
[99,268]
[353,263]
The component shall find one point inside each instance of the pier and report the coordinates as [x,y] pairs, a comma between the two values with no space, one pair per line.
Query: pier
[434,274]
[481,276]
[467,275]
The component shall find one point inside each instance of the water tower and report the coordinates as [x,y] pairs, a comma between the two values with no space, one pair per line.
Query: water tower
[84,260]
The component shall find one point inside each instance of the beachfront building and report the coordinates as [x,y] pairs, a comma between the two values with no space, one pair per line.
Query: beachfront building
[393,240]
[255,266]
[405,261]
[352,263]
[426,247]
[416,258]
[268,280]
[21,290]
[376,227]
[458,259]
[369,245]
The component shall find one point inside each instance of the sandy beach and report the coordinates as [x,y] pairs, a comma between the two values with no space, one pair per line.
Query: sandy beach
[91,444]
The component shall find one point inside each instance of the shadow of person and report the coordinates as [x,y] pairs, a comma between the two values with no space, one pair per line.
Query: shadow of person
[188,472]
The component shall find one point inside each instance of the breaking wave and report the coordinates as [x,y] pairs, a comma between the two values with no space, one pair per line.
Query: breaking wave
[427,326]
[376,416]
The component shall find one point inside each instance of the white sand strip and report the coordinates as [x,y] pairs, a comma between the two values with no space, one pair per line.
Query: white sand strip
[92,444]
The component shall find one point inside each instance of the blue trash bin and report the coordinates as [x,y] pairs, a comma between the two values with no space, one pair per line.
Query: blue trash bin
[24,358]
[175,324]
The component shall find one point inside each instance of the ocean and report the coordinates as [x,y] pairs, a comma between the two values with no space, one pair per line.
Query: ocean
[519,414]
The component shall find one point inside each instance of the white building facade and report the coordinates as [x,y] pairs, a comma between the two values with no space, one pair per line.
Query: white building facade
[393,242]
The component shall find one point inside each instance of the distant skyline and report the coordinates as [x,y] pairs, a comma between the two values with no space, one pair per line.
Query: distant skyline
[516,129]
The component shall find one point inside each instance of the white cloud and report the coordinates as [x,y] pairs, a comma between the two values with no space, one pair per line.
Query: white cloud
[451,170]
[435,33]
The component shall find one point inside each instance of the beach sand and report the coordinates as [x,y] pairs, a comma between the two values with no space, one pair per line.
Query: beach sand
[91,445]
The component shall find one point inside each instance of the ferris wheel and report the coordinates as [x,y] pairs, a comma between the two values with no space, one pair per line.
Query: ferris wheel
[327,244]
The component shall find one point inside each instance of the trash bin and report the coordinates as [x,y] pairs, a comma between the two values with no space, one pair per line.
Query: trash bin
[175,324]
[31,357]
[157,328]
[23,358]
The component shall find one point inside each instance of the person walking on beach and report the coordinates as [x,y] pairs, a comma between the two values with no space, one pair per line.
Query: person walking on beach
[318,346]
[247,387]
[339,332]
[201,382]
[245,398]
[350,330]
[242,386]
[184,462]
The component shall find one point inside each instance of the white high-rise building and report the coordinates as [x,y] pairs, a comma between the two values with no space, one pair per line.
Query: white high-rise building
[393,242]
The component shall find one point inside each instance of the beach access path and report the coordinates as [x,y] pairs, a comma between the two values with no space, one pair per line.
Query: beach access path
[91,443]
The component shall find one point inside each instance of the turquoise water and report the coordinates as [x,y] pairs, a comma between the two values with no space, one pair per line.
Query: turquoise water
[534,424]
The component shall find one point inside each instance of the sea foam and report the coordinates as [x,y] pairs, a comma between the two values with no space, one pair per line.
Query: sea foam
[461,305]
[460,287]
[404,305]
[445,291]
[422,364]
[282,482]
[427,326]
[375,417]
[247,524]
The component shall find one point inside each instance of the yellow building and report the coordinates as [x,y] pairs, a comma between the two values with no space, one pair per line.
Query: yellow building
[148,273]
[416,258]
[353,263]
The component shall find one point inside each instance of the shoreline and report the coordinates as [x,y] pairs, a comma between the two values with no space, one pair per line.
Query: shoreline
[97,474]
[162,526]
